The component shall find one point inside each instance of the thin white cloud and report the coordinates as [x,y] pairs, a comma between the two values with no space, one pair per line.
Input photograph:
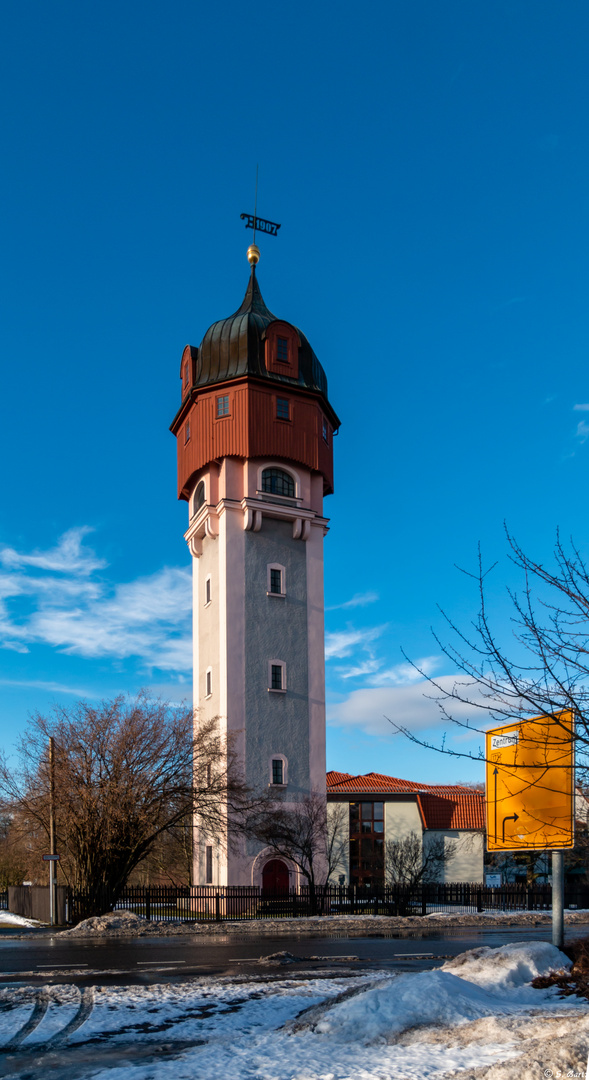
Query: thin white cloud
[78,614]
[342,643]
[68,557]
[367,667]
[582,432]
[50,687]
[359,600]
[411,706]
[404,674]
[581,408]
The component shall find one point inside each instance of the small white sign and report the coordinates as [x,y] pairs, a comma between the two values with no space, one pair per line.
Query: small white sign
[493,881]
[499,741]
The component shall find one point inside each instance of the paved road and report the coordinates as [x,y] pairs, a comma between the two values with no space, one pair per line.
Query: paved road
[146,960]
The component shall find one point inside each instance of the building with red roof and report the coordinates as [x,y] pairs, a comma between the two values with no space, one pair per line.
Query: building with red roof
[385,808]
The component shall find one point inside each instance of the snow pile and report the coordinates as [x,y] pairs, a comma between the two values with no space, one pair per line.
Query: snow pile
[123,921]
[8,919]
[509,967]
[491,982]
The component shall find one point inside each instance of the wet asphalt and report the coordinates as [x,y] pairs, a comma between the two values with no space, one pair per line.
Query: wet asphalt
[126,961]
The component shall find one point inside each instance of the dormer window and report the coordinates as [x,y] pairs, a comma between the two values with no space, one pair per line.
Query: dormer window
[282,408]
[223,405]
[282,350]
[325,430]
[186,431]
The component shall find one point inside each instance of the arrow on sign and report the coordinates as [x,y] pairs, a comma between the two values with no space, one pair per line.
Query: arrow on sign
[495,772]
[513,817]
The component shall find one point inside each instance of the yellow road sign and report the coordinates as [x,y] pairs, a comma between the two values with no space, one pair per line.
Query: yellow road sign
[530,784]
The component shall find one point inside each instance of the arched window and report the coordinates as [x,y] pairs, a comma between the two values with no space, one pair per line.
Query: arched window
[199,497]
[278,482]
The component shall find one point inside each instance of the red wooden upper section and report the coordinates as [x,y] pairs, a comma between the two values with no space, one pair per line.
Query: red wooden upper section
[252,428]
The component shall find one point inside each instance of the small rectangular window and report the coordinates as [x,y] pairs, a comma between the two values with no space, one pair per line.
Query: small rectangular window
[223,405]
[282,408]
[282,350]
[325,430]
[277,771]
[209,864]
[276,581]
[209,683]
[186,431]
[276,677]
[208,591]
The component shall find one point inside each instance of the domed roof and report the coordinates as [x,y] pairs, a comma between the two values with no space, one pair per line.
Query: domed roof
[234,347]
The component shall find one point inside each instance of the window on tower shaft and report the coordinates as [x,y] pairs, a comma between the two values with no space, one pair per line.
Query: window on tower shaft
[282,350]
[187,431]
[282,408]
[223,405]
[276,581]
[278,482]
[277,771]
[276,677]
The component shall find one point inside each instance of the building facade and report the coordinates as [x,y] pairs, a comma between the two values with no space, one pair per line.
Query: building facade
[384,808]
[255,460]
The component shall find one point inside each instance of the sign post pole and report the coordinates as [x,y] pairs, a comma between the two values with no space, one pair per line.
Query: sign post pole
[51,831]
[558,899]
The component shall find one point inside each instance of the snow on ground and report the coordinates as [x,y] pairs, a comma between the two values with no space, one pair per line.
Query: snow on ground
[129,924]
[8,919]
[477,1016]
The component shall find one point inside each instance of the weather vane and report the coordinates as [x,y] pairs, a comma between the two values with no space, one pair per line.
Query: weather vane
[252,221]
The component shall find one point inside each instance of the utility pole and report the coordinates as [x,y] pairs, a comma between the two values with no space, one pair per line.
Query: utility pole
[51,831]
[558,899]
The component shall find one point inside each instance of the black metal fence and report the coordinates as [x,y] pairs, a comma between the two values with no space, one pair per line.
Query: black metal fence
[4,900]
[207,903]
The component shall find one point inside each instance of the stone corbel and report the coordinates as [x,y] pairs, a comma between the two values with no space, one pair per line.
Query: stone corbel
[212,526]
[195,547]
[301,530]
[252,520]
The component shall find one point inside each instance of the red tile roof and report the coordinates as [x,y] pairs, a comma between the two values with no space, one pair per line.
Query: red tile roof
[443,806]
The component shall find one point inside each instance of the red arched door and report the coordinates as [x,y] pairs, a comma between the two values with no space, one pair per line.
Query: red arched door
[275,877]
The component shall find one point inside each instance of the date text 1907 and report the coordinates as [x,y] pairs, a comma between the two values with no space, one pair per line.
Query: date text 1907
[251,222]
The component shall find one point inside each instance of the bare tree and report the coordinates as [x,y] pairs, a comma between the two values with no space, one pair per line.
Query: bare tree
[410,862]
[308,837]
[543,669]
[126,772]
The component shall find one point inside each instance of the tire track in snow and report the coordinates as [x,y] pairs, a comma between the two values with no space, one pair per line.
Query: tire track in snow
[33,1022]
[84,1011]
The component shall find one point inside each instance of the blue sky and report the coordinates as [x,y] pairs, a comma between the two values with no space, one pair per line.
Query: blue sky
[428,163]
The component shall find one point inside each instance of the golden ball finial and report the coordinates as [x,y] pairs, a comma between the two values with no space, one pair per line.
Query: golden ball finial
[253,254]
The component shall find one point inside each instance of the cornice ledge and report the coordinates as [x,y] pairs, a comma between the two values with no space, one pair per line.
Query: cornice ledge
[206,523]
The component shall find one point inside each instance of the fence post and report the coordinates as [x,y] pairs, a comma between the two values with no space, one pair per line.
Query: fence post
[217,908]
[294,903]
[479,900]
[147,903]
[423,900]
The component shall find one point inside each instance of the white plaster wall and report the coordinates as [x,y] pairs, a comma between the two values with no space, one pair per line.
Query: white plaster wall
[342,831]
[401,818]
[467,864]
[206,650]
